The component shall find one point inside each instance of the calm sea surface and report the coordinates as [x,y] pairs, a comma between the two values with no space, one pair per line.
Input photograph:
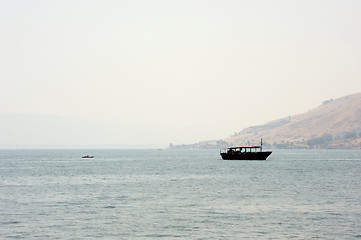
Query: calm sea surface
[179,194]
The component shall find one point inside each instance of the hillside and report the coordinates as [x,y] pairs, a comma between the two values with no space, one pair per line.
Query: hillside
[334,124]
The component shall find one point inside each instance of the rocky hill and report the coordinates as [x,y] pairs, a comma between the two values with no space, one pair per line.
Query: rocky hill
[334,124]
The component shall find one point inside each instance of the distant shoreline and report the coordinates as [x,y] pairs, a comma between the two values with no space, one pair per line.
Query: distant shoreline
[75,146]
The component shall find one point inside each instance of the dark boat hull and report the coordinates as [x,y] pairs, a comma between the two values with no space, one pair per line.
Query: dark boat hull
[246,155]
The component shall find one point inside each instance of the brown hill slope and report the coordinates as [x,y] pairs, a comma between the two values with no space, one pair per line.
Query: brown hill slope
[334,124]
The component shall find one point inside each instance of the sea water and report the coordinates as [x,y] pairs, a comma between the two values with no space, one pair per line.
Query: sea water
[179,194]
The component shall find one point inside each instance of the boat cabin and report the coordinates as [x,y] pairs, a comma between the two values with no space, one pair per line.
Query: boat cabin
[242,149]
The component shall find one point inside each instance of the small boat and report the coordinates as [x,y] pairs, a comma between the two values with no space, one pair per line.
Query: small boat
[87,156]
[245,153]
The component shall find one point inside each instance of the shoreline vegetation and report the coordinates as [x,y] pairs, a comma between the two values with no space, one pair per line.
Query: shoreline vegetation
[323,142]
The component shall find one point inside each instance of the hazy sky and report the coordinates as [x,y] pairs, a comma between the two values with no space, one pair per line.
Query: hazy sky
[195,70]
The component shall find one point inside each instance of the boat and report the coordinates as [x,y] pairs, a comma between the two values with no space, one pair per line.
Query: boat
[245,153]
[87,156]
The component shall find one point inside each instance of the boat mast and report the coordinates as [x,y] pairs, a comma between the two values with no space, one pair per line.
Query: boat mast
[261,144]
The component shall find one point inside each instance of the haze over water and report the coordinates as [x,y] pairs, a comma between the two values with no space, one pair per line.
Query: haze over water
[174,71]
[183,194]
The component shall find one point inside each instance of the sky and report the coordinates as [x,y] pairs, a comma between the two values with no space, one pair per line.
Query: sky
[181,71]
